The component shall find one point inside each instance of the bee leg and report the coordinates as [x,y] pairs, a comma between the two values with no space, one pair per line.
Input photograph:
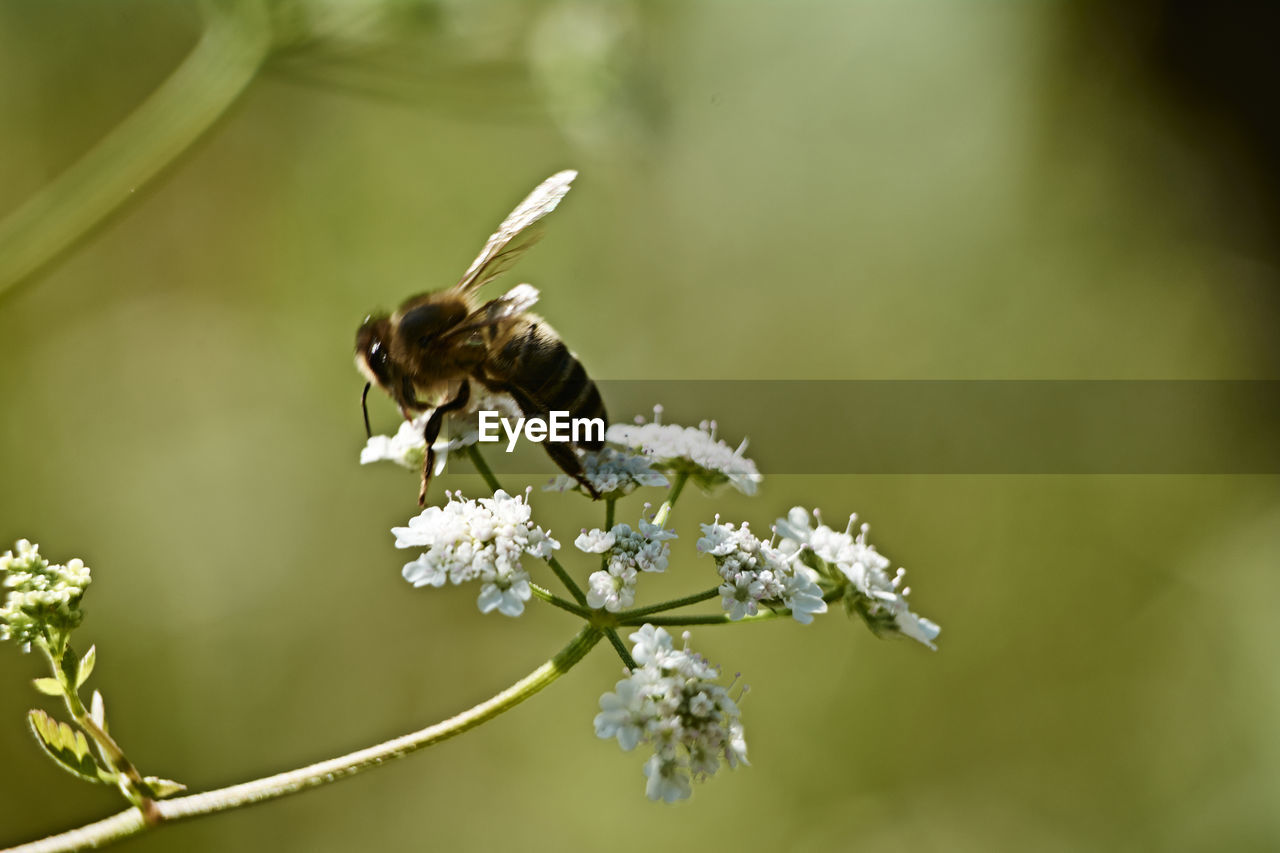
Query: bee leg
[428,464]
[564,456]
[432,431]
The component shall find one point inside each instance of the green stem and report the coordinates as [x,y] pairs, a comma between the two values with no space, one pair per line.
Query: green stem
[630,618]
[677,487]
[127,776]
[572,585]
[717,619]
[553,599]
[131,822]
[619,647]
[231,50]
[608,525]
[477,459]
[482,467]
[696,598]
[665,510]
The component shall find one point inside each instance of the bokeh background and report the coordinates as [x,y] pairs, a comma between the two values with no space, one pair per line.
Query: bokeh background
[810,190]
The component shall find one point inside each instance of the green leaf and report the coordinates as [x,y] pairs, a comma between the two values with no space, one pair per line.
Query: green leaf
[66,746]
[48,686]
[86,665]
[161,788]
[70,666]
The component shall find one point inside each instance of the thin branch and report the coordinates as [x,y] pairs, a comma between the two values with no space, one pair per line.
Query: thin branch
[696,598]
[131,822]
[482,467]
[619,647]
[567,579]
[551,598]
[630,618]
[231,50]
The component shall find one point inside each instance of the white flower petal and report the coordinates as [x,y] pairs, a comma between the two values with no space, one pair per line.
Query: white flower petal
[694,451]
[481,539]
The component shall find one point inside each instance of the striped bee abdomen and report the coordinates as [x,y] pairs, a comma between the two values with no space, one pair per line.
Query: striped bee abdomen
[538,370]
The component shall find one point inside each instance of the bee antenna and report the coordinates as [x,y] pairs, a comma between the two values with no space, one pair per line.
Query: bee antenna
[364,407]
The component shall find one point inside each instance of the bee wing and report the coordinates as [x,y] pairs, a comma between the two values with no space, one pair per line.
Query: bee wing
[519,298]
[504,247]
[522,297]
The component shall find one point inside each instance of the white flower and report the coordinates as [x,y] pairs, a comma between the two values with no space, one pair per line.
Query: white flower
[43,598]
[668,780]
[506,592]
[406,448]
[803,595]
[695,452]
[594,542]
[918,628]
[482,540]
[754,571]
[613,472]
[409,445]
[614,589]
[736,750]
[626,552]
[671,700]
[616,718]
[879,598]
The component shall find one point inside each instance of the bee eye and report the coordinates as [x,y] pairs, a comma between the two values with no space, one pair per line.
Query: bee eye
[371,350]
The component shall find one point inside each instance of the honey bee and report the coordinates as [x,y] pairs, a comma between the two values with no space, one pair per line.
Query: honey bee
[427,353]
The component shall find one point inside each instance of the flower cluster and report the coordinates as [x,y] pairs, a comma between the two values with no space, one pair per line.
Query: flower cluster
[755,572]
[43,599]
[409,445]
[689,451]
[613,473]
[626,552]
[480,540]
[880,599]
[671,700]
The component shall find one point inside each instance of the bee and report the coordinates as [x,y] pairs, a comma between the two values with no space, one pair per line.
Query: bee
[429,351]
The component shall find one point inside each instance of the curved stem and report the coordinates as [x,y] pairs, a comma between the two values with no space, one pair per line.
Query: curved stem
[696,598]
[716,619]
[551,598]
[581,597]
[664,511]
[630,617]
[567,579]
[231,50]
[482,467]
[131,822]
[609,506]
[132,784]
[677,487]
[618,646]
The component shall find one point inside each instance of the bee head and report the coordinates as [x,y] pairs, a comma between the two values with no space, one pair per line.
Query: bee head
[372,359]
[372,356]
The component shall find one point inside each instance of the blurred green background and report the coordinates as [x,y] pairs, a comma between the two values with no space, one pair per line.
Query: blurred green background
[832,190]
